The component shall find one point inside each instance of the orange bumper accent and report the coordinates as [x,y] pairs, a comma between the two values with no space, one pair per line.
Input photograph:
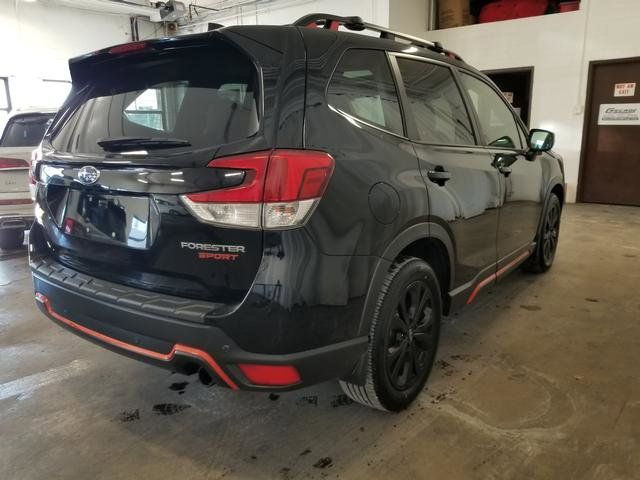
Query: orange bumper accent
[165,357]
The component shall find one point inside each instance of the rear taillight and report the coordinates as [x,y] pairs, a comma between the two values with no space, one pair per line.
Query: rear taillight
[6,163]
[280,189]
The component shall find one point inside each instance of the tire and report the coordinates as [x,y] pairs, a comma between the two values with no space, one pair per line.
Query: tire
[548,237]
[11,239]
[402,345]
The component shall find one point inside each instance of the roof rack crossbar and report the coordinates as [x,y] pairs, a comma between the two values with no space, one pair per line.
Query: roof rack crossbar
[332,22]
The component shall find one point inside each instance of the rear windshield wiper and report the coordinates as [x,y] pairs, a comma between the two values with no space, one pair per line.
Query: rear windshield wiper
[120,144]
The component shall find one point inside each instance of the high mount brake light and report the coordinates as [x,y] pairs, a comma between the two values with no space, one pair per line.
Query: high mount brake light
[128,47]
[280,189]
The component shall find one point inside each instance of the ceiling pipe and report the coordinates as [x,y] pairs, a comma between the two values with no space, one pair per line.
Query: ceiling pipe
[114,7]
[230,11]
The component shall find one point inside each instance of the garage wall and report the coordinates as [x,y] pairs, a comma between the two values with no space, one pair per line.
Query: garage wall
[287,11]
[560,48]
[39,40]
[412,15]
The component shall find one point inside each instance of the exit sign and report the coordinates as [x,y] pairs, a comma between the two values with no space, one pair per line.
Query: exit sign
[624,90]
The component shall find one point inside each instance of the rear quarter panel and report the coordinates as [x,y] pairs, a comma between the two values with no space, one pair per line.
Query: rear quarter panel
[370,163]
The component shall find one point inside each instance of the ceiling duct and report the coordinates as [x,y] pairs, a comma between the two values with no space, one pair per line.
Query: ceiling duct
[172,10]
[159,12]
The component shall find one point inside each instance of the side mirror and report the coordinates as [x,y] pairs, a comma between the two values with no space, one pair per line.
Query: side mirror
[540,141]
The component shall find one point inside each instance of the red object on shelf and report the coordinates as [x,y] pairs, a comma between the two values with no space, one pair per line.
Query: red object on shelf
[569,6]
[510,9]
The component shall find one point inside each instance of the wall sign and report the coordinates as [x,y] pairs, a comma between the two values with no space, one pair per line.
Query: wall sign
[619,114]
[624,90]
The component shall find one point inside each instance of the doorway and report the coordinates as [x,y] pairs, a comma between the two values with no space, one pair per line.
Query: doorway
[610,160]
[516,85]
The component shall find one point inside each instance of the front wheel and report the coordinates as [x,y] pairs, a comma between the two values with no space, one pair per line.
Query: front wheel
[548,237]
[403,338]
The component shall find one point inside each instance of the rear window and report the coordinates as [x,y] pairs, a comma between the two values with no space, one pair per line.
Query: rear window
[25,130]
[205,96]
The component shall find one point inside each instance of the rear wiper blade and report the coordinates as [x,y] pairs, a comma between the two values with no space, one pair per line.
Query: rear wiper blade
[120,144]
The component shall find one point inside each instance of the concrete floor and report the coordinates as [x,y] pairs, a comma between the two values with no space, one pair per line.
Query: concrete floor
[540,379]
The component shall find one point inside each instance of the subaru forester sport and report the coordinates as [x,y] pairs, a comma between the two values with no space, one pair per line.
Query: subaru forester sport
[276,206]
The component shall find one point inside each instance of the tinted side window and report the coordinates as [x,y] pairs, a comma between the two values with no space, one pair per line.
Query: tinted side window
[362,86]
[524,140]
[496,120]
[436,104]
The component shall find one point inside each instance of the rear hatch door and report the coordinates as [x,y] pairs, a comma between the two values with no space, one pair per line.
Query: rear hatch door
[141,128]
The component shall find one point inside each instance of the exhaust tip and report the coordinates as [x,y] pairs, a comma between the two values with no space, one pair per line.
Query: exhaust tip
[205,378]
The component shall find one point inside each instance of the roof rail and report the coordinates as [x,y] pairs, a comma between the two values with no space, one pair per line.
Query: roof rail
[333,22]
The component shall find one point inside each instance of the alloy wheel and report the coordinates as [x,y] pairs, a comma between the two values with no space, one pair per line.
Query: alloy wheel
[411,337]
[551,233]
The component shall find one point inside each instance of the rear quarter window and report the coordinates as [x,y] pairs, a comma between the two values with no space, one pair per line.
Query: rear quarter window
[207,96]
[362,86]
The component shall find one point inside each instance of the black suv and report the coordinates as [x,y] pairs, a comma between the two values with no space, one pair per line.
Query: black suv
[275,206]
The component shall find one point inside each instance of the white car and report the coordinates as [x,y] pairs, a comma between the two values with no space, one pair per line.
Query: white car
[22,133]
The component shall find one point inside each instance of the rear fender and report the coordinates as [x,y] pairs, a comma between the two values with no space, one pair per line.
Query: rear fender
[414,233]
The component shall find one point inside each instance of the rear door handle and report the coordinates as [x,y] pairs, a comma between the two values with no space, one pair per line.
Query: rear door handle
[439,175]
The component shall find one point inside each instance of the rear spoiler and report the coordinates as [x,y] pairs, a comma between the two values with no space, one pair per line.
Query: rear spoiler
[81,67]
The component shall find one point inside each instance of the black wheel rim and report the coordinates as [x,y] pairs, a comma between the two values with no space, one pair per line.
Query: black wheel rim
[411,337]
[551,234]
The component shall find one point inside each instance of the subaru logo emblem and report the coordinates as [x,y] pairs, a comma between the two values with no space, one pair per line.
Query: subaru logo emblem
[88,175]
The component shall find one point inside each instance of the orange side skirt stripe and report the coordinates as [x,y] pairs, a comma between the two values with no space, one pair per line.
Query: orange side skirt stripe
[495,276]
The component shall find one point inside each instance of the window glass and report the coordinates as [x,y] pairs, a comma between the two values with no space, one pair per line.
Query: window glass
[436,103]
[524,137]
[25,130]
[156,108]
[496,119]
[362,86]
[206,96]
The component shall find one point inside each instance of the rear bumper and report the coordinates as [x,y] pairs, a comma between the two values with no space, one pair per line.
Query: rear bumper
[179,339]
